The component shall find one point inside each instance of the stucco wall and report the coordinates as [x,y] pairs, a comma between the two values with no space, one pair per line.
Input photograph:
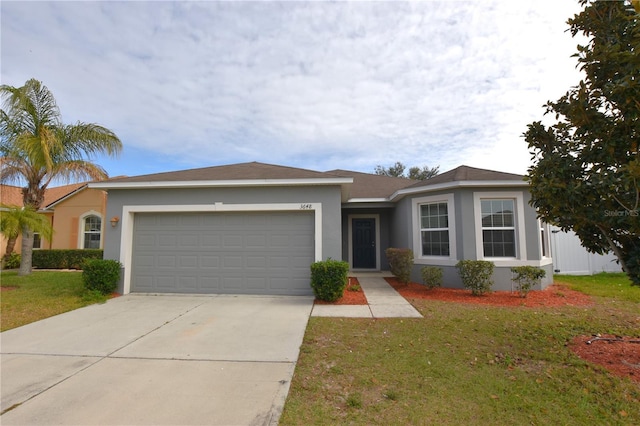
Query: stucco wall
[67,214]
[464,200]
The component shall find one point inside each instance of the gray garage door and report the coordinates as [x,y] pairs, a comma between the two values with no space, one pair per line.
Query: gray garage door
[231,253]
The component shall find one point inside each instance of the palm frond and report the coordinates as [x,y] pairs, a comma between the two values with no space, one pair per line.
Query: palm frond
[14,218]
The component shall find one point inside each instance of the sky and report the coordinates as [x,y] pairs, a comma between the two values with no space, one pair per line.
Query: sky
[311,84]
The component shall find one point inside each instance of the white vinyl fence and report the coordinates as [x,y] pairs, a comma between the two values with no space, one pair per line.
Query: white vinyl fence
[570,258]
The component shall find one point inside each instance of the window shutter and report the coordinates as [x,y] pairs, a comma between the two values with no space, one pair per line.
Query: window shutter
[73,235]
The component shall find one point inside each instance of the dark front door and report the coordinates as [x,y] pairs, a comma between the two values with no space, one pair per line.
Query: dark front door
[364,243]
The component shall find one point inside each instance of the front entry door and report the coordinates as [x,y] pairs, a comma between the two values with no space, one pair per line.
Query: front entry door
[364,243]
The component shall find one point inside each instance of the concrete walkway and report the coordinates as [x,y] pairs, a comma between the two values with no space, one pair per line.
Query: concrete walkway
[383,301]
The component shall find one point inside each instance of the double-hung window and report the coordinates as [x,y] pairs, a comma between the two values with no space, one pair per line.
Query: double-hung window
[91,231]
[37,241]
[498,227]
[434,229]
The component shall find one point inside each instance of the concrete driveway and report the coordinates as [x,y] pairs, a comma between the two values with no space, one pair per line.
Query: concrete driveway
[155,360]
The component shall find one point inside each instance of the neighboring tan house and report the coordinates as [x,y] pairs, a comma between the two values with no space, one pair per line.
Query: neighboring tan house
[255,228]
[76,212]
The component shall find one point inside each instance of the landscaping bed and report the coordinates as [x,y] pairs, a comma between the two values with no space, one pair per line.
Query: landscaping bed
[352,295]
[554,295]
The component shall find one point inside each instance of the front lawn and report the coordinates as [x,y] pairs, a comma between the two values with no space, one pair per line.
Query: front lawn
[466,364]
[40,295]
[606,284]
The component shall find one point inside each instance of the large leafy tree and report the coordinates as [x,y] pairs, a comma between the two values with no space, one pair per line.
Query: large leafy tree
[585,175]
[36,147]
[416,173]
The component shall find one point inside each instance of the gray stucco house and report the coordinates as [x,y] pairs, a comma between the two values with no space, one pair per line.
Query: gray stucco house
[255,228]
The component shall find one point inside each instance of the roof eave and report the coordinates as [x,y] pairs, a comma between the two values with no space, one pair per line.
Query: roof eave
[458,184]
[221,183]
[61,199]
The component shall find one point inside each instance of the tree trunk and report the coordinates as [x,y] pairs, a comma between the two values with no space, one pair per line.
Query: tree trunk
[616,251]
[11,245]
[32,196]
[27,251]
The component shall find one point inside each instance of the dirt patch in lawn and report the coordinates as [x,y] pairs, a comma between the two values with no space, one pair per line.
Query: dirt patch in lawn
[618,354]
[352,295]
[7,288]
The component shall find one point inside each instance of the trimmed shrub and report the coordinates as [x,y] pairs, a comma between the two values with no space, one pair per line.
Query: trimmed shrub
[526,277]
[12,261]
[329,279]
[101,275]
[476,275]
[431,276]
[63,259]
[400,263]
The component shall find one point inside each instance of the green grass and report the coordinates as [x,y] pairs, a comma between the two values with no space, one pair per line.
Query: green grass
[613,285]
[466,364]
[41,295]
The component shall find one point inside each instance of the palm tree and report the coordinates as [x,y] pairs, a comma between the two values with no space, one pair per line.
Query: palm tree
[14,218]
[36,147]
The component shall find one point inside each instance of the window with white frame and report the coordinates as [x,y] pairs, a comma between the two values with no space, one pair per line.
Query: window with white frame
[544,239]
[37,241]
[92,228]
[434,229]
[498,227]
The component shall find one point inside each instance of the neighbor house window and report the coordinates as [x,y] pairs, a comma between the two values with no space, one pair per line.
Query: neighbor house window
[91,232]
[434,229]
[37,241]
[498,227]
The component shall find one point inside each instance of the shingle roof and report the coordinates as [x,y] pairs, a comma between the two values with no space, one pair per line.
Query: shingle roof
[12,195]
[466,173]
[57,193]
[242,171]
[363,186]
[367,185]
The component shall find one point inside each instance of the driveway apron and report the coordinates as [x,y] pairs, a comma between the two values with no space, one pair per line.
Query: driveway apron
[155,360]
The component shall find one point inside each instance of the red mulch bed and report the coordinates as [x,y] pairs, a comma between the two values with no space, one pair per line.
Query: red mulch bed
[349,297]
[554,295]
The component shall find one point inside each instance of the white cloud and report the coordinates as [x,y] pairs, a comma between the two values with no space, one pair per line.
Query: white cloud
[310,84]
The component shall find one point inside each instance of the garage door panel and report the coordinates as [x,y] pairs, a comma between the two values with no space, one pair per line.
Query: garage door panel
[301,241]
[256,241]
[166,283]
[188,283]
[189,241]
[189,261]
[210,261]
[232,241]
[256,262]
[209,284]
[231,263]
[167,241]
[251,253]
[257,283]
[210,241]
